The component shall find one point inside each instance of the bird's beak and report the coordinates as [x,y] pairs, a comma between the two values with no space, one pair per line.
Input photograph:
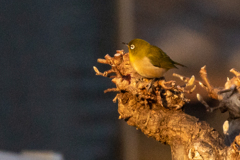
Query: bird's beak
[125,43]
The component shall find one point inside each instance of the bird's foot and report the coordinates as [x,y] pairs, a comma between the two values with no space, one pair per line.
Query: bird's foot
[151,84]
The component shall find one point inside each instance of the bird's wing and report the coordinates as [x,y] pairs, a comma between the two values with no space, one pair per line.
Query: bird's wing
[160,59]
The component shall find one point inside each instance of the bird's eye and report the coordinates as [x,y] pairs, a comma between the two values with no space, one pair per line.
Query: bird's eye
[132,46]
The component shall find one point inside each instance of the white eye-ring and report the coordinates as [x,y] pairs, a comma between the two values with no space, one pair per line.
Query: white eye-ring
[132,46]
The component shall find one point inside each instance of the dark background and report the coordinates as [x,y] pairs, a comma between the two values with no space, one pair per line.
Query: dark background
[50,98]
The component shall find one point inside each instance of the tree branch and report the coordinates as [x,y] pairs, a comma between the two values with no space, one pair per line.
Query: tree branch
[158,112]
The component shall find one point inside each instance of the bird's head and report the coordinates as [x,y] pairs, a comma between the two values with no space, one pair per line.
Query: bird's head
[138,46]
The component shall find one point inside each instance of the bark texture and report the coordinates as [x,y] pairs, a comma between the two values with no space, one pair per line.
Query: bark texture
[157,112]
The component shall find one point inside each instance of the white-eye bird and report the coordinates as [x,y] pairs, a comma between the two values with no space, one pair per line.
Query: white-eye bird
[148,60]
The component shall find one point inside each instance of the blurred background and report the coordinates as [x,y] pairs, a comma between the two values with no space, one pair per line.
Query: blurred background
[50,97]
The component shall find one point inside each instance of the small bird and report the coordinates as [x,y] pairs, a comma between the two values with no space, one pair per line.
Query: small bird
[149,61]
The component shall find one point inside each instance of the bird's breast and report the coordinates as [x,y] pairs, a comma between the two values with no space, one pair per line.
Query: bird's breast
[145,68]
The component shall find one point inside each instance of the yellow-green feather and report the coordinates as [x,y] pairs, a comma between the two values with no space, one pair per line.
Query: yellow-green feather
[148,60]
[159,58]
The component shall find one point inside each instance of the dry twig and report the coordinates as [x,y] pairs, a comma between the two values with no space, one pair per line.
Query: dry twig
[229,100]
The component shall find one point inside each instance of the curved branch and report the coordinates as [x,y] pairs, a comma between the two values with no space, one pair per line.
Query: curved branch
[157,112]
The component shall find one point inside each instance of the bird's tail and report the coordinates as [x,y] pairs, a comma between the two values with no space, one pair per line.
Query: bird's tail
[179,64]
